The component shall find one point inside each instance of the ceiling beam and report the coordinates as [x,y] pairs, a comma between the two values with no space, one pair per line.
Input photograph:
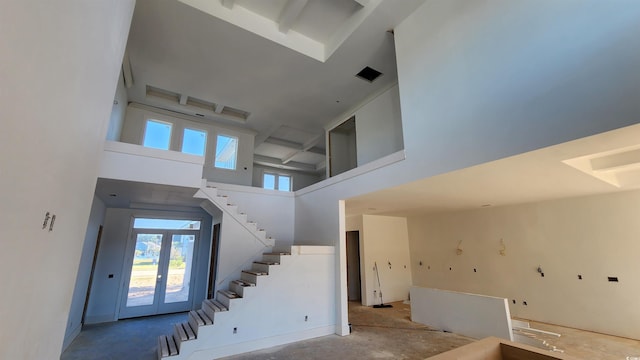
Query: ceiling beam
[290,14]
[218,109]
[304,147]
[285,143]
[292,165]
[183,99]
[316,150]
[228,3]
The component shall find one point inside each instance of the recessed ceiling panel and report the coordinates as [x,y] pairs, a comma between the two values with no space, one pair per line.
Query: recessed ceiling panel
[320,19]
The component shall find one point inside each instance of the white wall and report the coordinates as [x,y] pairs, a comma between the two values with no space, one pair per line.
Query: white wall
[272,210]
[299,179]
[59,70]
[133,132]
[378,131]
[74,323]
[301,286]
[128,162]
[480,81]
[385,240]
[595,236]
[118,111]
[105,296]
[483,80]
[379,127]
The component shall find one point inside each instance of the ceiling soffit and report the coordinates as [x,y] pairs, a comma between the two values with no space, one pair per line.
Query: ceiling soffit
[315,28]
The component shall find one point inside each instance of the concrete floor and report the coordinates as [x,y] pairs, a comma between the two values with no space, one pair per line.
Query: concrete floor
[377,334]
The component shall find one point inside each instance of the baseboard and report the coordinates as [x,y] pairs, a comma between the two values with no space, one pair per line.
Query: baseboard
[260,344]
[99,319]
[71,335]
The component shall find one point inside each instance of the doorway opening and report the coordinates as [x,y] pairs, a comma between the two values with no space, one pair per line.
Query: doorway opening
[354,292]
[343,154]
[159,267]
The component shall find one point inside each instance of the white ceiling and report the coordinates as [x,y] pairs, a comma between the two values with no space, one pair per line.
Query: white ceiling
[530,177]
[188,56]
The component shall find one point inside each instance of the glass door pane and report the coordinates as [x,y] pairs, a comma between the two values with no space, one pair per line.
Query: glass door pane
[144,270]
[179,272]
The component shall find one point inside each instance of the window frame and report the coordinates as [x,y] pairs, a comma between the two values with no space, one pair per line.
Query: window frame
[206,137]
[215,152]
[154,120]
[276,182]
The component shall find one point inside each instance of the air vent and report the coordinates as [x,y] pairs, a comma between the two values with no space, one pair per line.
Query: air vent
[369,74]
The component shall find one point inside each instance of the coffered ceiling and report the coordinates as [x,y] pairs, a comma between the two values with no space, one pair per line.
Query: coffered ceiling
[283,68]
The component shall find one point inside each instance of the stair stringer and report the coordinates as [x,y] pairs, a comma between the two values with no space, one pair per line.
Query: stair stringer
[295,301]
[241,241]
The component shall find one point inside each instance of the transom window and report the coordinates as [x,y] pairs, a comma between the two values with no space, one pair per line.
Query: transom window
[157,135]
[276,182]
[226,152]
[166,224]
[194,141]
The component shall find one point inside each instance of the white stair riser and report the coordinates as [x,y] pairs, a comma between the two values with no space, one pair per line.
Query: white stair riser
[261,268]
[250,278]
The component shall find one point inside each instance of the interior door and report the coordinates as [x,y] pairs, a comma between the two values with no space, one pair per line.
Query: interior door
[160,272]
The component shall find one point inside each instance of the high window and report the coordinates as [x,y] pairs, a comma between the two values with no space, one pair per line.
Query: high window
[276,182]
[194,141]
[226,152]
[157,134]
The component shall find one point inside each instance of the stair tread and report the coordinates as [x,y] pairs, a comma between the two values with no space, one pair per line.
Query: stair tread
[216,305]
[163,346]
[254,272]
[190,333]
[230,294]
[267,262]
[206,319]
[179,332]
[277,253]
[244,283]
[173,348]
[219,305]
[193,315]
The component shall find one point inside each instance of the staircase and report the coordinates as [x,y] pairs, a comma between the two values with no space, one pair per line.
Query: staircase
[222,202]
[213,309]
[265,299]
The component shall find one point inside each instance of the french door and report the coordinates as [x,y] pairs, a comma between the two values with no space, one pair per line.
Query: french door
[160,269]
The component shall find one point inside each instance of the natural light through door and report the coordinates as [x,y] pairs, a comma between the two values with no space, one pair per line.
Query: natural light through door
[161,258]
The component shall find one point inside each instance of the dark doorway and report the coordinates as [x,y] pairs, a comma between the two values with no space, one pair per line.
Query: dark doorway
[353,265]
[342,147]
[212,262]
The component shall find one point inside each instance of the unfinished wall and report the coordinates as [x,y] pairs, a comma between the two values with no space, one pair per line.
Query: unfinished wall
[133,133]
[385,241]
[59,70]
[591,237]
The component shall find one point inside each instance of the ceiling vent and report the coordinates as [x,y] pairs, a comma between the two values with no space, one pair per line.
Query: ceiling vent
[369,74]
